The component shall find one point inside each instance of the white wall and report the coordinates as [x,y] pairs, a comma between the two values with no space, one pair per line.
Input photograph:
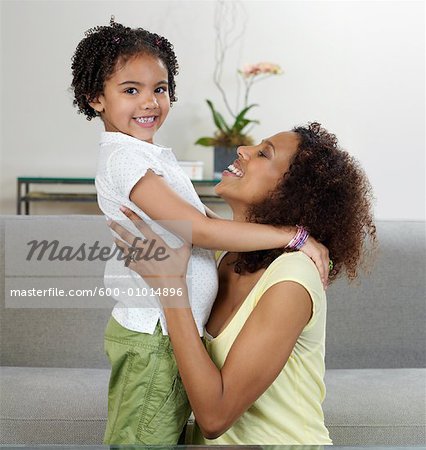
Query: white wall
[357,67]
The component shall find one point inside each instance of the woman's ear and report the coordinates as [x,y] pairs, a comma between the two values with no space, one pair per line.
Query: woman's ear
[97,103]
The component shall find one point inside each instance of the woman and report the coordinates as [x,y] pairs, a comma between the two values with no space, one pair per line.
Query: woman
[260,378]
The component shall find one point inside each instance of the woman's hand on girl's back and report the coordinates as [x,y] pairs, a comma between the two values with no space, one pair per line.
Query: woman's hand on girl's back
[164,269]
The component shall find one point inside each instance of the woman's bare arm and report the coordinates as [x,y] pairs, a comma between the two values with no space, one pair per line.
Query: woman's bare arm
[219,397]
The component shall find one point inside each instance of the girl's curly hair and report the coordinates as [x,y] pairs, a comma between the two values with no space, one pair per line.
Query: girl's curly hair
[326,191]
[96,57]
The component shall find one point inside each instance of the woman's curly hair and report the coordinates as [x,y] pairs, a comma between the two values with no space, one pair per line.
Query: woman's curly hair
[96,57]
[326,191]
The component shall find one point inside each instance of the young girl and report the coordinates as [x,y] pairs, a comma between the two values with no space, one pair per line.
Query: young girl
[126,76]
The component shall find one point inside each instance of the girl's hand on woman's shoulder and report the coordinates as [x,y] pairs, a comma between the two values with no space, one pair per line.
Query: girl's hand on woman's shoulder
[320,256]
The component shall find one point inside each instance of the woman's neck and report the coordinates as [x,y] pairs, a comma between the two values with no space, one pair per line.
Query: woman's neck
[239,214]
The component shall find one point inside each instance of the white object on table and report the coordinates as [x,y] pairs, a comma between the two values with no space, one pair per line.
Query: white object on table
[194,169]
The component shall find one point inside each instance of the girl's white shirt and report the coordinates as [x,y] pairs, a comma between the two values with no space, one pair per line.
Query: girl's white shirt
[123,161]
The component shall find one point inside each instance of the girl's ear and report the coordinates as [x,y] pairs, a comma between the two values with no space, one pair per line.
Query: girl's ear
[97,104]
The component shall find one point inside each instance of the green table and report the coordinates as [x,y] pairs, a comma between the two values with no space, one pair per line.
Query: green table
[26,193]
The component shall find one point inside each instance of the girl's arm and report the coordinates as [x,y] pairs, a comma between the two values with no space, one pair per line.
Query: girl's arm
[155,197]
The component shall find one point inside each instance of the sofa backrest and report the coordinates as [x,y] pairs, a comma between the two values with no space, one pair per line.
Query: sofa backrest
[379,320]
[53,337]
[378,323]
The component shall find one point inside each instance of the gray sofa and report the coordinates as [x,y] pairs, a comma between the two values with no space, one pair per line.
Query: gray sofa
[54,374]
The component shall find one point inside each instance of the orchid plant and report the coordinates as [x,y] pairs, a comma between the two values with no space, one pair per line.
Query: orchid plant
[234,133]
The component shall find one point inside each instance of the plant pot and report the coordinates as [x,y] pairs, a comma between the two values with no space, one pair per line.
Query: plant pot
[223,157]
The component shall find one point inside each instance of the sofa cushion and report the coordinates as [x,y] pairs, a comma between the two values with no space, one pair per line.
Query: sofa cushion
[69,406]
[54,406]
[376,406]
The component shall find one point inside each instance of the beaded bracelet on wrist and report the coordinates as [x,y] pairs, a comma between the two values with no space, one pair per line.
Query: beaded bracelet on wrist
[298,240]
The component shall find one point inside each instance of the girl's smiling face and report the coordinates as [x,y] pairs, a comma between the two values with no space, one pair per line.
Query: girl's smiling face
[135,100]
[259,169]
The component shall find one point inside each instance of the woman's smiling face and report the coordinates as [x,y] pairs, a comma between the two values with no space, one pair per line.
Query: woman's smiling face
[258,170]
